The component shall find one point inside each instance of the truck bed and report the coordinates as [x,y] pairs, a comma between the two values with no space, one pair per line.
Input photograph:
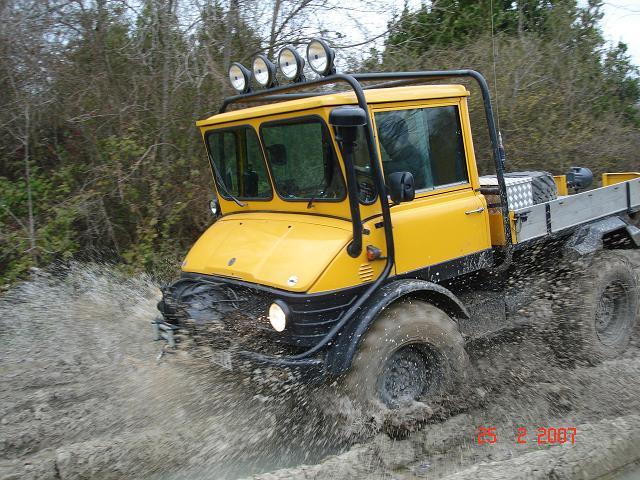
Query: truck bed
[569,211]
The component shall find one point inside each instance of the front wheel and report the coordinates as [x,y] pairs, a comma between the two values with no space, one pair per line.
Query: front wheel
[413,352]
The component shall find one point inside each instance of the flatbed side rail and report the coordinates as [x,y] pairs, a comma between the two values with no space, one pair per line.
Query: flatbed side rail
[567,212]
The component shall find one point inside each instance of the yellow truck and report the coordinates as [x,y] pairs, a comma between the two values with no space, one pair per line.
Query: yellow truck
[354,239]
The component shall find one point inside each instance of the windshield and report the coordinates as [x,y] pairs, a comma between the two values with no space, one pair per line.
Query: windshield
[302,160]
[239,164]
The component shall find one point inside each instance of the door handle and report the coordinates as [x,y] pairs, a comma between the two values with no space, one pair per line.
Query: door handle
[477,210]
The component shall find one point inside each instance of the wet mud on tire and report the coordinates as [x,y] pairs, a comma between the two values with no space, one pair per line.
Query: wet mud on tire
[83,397]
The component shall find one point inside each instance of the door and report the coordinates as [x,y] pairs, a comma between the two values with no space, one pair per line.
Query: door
[444,232]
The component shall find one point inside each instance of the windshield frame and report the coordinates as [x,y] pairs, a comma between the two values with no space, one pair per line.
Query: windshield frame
[338,158]
[217,173]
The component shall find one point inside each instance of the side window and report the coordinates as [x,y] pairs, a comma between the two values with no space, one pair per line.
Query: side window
[238,158]
[426,142]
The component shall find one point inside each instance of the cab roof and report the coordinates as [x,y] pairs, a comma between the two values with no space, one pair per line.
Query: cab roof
[379,95]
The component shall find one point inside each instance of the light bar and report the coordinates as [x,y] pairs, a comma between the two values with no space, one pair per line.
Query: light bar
[239,77]
[264,71]
[291,64]
[320,56]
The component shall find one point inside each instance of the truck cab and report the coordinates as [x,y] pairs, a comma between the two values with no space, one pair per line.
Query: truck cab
[354,239]
[285,166]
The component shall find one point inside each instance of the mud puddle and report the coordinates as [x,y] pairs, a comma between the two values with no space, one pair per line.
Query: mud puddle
[83,396]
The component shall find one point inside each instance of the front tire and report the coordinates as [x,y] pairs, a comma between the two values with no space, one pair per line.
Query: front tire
[412,352]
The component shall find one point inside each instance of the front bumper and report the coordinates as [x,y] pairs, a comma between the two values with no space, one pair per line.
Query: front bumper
[310,370]
[231,317]
[241,308]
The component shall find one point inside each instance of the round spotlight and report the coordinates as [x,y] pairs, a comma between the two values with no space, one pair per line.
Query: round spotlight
[291,64]
[239,77]
[278,313]
[320,56]
[264,71]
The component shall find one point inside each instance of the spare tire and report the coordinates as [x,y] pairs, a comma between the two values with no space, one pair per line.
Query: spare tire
[543,185]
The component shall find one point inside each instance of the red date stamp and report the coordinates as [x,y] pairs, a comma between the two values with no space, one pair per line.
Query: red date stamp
[543,435]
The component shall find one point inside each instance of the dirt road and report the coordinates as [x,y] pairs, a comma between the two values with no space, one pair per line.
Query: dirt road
[84,396]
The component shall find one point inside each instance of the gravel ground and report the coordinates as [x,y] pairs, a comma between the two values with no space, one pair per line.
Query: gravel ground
[84,396]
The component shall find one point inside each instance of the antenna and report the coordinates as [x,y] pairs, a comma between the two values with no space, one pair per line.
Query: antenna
[495,85]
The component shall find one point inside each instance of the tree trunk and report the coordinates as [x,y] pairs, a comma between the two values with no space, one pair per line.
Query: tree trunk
[27,172]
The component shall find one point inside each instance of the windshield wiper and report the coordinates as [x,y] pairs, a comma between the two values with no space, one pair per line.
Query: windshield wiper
[316,195]
[222,185]
[313,198]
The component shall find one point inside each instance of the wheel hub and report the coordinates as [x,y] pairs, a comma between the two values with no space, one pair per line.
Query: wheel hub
[611,314]
[408,374]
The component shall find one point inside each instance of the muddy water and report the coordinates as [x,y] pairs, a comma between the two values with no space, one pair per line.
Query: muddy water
[84,396]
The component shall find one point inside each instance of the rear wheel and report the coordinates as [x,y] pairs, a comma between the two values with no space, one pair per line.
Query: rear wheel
[600,323]
[413,352]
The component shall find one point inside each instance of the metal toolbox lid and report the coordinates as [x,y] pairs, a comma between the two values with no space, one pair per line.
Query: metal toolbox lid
[492,181]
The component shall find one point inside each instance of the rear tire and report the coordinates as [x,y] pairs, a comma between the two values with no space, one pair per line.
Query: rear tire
[600,322]
[413,352]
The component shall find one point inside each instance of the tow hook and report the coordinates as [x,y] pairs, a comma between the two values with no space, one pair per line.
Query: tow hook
[164,331]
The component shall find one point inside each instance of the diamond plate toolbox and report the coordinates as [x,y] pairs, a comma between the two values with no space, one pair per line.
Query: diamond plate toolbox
[519,191]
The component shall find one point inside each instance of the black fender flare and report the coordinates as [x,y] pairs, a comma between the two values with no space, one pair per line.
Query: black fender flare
[587,239]
[343,349]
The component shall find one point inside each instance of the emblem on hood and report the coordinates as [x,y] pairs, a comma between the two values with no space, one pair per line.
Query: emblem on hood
[293,281]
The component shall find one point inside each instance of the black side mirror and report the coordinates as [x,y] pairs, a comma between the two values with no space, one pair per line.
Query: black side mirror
[277,154]
[401,187]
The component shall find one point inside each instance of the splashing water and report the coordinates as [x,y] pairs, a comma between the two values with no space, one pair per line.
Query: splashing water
[84,396]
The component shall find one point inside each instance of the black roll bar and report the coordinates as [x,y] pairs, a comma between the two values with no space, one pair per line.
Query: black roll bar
[393,79]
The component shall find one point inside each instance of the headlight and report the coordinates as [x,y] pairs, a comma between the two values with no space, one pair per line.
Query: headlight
[239,77]
[320,57]
[278,313]
[264,71]
[291,64]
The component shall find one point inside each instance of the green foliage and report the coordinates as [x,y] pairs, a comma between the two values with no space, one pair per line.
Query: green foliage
[564,97]
[54,224]
[100,102]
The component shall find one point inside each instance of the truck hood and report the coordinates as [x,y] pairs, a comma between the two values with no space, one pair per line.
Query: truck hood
[284,251]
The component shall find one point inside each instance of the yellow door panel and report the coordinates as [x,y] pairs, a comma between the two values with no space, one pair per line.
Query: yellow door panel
[439,227]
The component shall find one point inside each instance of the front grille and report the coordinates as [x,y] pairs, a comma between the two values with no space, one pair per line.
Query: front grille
[226,309]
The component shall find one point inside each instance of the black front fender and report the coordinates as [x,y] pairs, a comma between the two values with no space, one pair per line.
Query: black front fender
[345,346]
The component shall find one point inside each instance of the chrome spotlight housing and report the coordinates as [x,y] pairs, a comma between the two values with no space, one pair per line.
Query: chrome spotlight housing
[291,64]
[240,77]
[264,71]
[321,57]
